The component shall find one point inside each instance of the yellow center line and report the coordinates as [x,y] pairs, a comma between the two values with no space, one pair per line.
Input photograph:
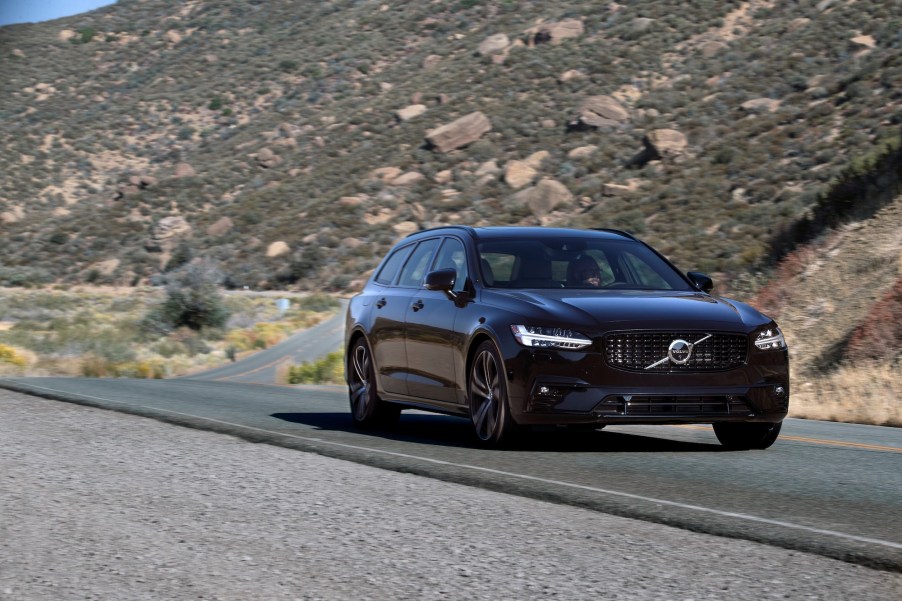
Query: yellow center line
[833,443]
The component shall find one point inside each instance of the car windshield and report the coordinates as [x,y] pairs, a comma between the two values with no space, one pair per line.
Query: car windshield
[587,263]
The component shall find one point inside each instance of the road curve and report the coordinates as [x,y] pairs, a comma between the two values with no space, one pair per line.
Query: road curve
[825,488]
[304,346]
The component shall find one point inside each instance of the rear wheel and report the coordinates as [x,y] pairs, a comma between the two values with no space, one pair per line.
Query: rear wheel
[741,437]
[489,406]
[367,409]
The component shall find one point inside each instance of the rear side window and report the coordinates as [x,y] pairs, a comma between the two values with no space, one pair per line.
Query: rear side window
[392,266]
[415,269]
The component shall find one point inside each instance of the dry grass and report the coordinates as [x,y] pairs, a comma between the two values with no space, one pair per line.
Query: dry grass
[863,394]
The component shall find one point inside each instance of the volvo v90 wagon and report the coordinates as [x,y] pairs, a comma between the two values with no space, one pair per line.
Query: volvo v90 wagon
[518,326]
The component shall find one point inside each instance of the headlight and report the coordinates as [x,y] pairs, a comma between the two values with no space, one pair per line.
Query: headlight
[562,338]
[770,339]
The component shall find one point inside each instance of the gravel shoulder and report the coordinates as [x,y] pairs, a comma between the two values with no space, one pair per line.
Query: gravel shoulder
[100,505]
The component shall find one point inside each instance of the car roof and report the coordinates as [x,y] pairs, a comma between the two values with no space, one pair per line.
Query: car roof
[536,233]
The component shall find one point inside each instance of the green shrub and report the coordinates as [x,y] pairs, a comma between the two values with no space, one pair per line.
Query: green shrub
[328,370]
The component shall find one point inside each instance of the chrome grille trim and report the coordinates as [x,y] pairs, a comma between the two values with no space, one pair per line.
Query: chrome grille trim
[638,350]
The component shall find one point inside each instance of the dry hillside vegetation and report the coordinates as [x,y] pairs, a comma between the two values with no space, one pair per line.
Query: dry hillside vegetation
[290,146]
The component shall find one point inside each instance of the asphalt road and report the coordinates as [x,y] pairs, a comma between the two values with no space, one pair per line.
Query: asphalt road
[826,488]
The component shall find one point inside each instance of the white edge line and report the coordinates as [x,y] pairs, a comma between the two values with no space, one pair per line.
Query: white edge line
[741,516]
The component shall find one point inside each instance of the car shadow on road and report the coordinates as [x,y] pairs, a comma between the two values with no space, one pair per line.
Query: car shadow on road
[451,431]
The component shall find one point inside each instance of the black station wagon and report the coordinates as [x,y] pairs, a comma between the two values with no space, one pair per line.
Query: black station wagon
[519,326]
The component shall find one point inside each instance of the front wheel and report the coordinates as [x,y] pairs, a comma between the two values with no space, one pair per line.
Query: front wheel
[489,405]
[742,437]
[367,409]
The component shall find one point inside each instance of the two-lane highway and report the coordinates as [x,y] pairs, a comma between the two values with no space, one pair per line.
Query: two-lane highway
[827,488]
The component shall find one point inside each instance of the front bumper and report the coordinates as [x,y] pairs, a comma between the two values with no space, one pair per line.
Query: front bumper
[565,387]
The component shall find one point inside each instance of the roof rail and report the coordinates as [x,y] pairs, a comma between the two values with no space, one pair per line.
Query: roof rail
[613,231]
[469,229]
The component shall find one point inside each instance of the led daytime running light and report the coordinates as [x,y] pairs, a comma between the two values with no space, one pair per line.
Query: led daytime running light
[561,338]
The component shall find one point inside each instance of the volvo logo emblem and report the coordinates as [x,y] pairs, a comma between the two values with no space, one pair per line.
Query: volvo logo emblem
[679,351]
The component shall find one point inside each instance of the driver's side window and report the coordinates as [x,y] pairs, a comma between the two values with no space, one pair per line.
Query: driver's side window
[453,256]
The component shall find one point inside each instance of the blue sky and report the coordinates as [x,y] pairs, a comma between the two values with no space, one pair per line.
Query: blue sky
[29,11]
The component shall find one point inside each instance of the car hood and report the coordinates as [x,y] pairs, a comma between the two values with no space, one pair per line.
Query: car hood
[632,309]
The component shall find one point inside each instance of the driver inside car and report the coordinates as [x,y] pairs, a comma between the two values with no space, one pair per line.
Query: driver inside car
[583,271]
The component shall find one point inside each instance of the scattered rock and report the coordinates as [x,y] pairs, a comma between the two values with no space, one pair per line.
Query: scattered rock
[554,33]
[173,36]
[494,44]
[106,268]
[66,34]
[619,189]
[660,144]
[167,233]
[220,227]
[761,105]
[582,152]
[409,112]
[277,249]
[352,243]
[799,23]
[544,197]
[549,124]
[518,174]
[444,177]
[405,228]
[488,168]
[865,40]
[570,75]
[143,181]
[601,111]
[536,159]
[184,170]
[211,58]
[385,174]
[459,133]
[18,53]
[266,158]
[351,201]
[408,179]
[431,61]
[14,215]
[642,24]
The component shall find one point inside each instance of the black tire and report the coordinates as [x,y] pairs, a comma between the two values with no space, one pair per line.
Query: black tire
[488,398]
[742,437]
[367,409]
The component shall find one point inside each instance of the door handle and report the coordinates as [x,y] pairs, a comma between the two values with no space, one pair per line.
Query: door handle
[381,303]
[417,305]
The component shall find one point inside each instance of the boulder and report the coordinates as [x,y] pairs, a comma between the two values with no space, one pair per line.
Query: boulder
[167,233]
[494,44]
[582,152]
[459,133]
[220,227]
[444,177]
[660,144]
[385,174]
[544,197]
[761,105]
[408,179]
[570,75]
[405,228]
[431,61]
[518,174]
[490,167]
[277,249]
[555,33]
[266,158]
[409,112]
[536,159]
[184,170]
[601,111]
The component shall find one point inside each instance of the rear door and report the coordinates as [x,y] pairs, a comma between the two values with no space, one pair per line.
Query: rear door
[388,307]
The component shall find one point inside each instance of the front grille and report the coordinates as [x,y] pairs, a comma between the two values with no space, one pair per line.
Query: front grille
[675,406]
[638,350]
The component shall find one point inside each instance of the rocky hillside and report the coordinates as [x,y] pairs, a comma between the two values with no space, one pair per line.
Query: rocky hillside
[291,143]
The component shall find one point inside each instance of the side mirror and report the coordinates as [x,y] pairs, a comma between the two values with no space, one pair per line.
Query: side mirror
[701,281]
[442,279]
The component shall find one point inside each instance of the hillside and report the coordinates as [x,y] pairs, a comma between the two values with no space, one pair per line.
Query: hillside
[252,133]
